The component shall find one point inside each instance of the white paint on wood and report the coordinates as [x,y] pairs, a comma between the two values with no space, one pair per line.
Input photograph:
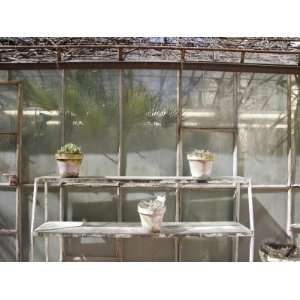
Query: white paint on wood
[129,230]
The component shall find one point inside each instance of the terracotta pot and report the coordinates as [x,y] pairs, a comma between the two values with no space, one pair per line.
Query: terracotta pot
[68,164]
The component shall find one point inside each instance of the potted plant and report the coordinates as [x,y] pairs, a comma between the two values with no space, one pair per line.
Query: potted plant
[272,251]
[69,158]
[200,162]
[152,212]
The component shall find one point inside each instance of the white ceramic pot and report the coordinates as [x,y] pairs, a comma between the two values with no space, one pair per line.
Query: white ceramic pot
[200,168]
[152,219]
[69,164]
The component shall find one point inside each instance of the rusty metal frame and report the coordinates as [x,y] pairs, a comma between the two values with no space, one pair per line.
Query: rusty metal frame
[208,66]
[17,232]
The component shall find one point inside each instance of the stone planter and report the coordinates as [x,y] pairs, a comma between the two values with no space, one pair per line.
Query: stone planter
[151,219]
[275,252]
[68,164]
[200,167]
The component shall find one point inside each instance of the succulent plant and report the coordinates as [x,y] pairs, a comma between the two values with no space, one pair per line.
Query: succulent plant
[70,149]
[201,155]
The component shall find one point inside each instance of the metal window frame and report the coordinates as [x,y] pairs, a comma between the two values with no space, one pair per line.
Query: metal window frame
[180,66]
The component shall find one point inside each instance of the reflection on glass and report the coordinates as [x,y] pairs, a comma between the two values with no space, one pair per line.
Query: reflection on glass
[262,123]
[208,99]
[8,108]
[97,205]
[41,124]
[91,118]
[199,206]
[7,249]
[149,122]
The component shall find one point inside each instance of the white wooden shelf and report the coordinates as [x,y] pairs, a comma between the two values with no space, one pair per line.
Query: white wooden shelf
[295,227]
[134,230]
[165,182]
[120,230]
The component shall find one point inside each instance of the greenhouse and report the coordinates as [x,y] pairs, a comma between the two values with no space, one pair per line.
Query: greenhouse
[140,109]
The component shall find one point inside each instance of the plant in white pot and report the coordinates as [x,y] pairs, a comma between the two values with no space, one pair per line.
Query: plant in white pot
[201,162]
[69,158]
[152,212]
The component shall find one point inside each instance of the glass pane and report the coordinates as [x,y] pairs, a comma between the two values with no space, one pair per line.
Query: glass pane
[7,249]
[97,205]
[296,208]
[207,249]
[7,156]
[91,118]
[150,122]
[263,128]
[296,212]
[220,144]
[41,124]
[207,99]
[8,108]
[200,206]
[7,209]
[3,75]
[147,249]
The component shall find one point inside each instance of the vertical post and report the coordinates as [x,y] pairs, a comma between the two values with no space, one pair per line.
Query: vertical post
[121,125]
[178,123]
[178,242]
[251,249]
[62,108]
[61,218]
[46,239]
[62,142]
[19,174]
[236,206]
[119,243]
[236,216]
[235,116]
[34,199]
[251,220]
[291,157]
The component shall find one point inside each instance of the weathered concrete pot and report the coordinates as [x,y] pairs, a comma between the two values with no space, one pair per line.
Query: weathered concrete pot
[68,164]
[277,252]
[151,219]
[200,167]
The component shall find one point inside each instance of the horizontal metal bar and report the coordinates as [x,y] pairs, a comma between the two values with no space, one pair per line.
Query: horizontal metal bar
[187,187]
[8,231]
[217,129]
[144,47]
[8,133]
[9,82]
[205,66]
